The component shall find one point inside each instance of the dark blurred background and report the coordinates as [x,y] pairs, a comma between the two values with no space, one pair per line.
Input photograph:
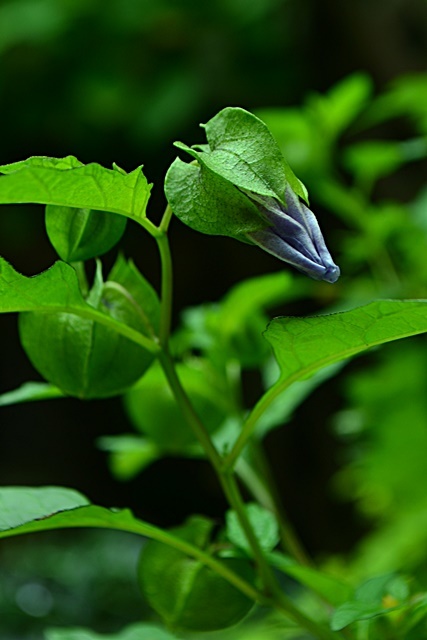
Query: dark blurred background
[120,80]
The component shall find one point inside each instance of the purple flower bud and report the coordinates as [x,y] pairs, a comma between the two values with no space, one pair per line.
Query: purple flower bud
[294,236]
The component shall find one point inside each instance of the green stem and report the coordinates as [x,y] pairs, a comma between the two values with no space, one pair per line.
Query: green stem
[166,288]
[289,539]
[226,477]
[250,423]
[188,411]
[79,268]
[165,221]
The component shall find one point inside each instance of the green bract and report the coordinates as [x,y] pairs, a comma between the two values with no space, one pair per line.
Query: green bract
[186,593]
[241,153]
[85,358]
[81,234]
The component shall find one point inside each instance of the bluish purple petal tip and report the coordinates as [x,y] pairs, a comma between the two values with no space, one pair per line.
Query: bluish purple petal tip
[294,236]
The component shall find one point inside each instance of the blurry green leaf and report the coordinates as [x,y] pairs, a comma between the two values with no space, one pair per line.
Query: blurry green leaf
[331,589]
[338,108]
[34,21]
[264,526]
[151,406]
[294,133]
[302,346]
[407,95]
[140,631]
[30,391]
[129,454]
[65,182]
[54,291]
[354,611]
[231,329]
[370,600]
[374,589]
[374,159]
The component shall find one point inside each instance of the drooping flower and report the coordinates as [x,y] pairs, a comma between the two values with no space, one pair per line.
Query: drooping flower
[293,236]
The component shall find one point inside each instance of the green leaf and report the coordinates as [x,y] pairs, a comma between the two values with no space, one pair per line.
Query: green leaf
[29,510]
[30,391]
[62,164]
[302,346]
[68,183]
[81,234]
[139,631]
[54,291]
[152,408]
[373,159]
[369,600]
[339,107]
[129,454]
[331,589]
[354,611]
[20,506]
[264,526]
[184,592]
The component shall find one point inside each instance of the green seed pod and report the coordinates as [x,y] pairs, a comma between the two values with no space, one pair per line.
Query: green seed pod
[81,234]
[84,358]
[187,594]
[153,410]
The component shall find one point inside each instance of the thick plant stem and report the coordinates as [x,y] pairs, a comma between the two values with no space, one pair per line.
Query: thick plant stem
[165,221]
[188,411]
[167,287]
[250,423]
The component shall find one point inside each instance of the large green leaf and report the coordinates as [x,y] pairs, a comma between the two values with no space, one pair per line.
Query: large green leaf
[30,510]
[54,291]
[69,183]
[302,346]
